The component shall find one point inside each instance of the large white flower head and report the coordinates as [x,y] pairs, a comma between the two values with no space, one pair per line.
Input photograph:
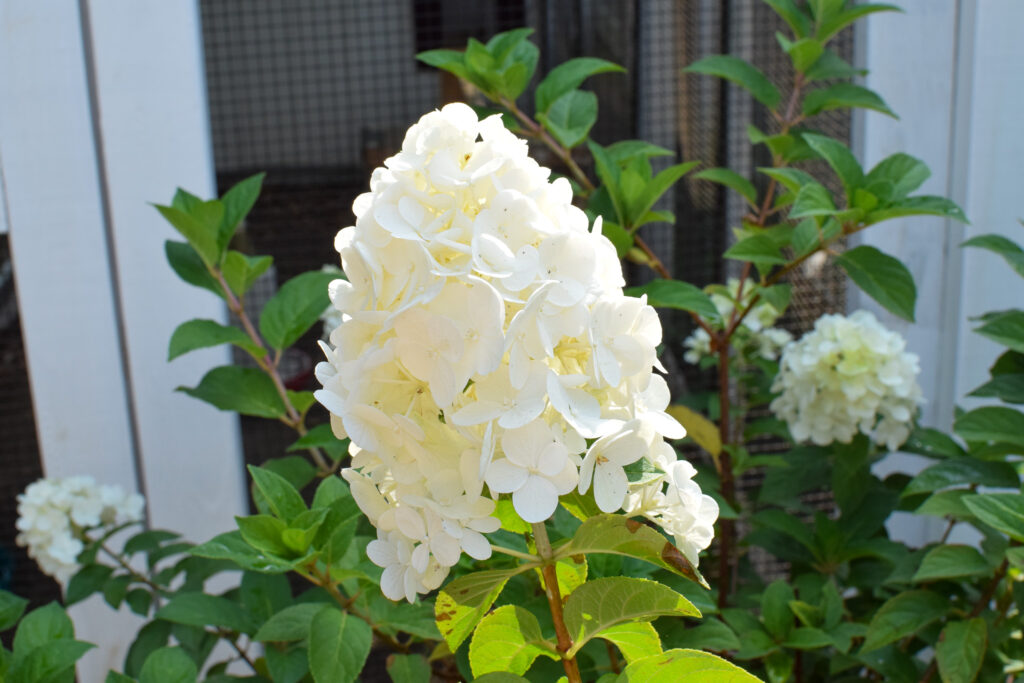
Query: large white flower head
[754,337]
[54,514]
[848,374]
[484,339]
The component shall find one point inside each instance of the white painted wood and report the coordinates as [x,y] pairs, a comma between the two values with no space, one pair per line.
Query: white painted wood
[911,58]
[992,175]
[155,136]
[58,243]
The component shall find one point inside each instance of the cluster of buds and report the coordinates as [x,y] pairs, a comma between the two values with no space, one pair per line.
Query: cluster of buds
[485,349]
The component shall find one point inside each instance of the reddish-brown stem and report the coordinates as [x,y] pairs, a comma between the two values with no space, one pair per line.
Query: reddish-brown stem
[613,658]
[540,538]
[726,529]
[294,420]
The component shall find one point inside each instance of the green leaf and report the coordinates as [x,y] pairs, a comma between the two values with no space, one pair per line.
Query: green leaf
[568,76]
[840,158]
[245,390]
[905,172]
[945,504]
[951,562]
[199,609]
[903,615]
[338,646]
[461,604]
[238,202]
[168,665]
[673,666]
[286,666]
[185,262]
[571,117]
[297,305]
[295,469]
[622,240]
[321,436]
[991,423]
[932,443]
[788,10]
[807,638]
[87,581]
[732,180]
[603,603]
[742,73]
[151,637]
[114,677]
[790,178]
[965,470]
[285,502]
[144,541]
[961,649]
[812,200]
[231,546]
[1006,328]
[677,294]
[844,95]
[507,640]
[758,248]
[775,612]
[624,151]
[711,634]
[201,334]
[831,66]
[199,227]
[778,296]
[635,640]
[837,22]
[451,61]
[265,533]
[241,270]
[618,535]
[924,205]
[290,624]
[609,173]
[803,52]
[1008,388]
[882,277]
[184,200]
[11,609]
[1002,511]
[51,662]
[41,626]
[655,188]
[1003,246]
[408,669]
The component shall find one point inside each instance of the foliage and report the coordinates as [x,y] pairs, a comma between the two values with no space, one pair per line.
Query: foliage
[586,595]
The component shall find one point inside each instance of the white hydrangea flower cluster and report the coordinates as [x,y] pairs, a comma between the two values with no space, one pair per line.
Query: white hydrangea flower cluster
[53,515]
[755,335]
[485,339]
[848,374]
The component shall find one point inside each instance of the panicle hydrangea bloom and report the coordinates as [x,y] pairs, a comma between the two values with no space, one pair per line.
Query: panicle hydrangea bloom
[848,374]
[54,513]
[484,339]
[755,336]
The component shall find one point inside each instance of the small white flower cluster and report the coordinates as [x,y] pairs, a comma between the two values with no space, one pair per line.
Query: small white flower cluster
[53,515]
[754,335]
[485,339]
[848,374]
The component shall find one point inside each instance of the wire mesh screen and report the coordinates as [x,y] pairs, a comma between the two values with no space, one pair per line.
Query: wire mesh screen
[319,92]
[19,451]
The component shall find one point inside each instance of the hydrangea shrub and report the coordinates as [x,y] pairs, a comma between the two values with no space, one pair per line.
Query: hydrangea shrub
[502,487]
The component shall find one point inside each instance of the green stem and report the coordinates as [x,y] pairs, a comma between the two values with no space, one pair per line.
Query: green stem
[540,538]
[515,553]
